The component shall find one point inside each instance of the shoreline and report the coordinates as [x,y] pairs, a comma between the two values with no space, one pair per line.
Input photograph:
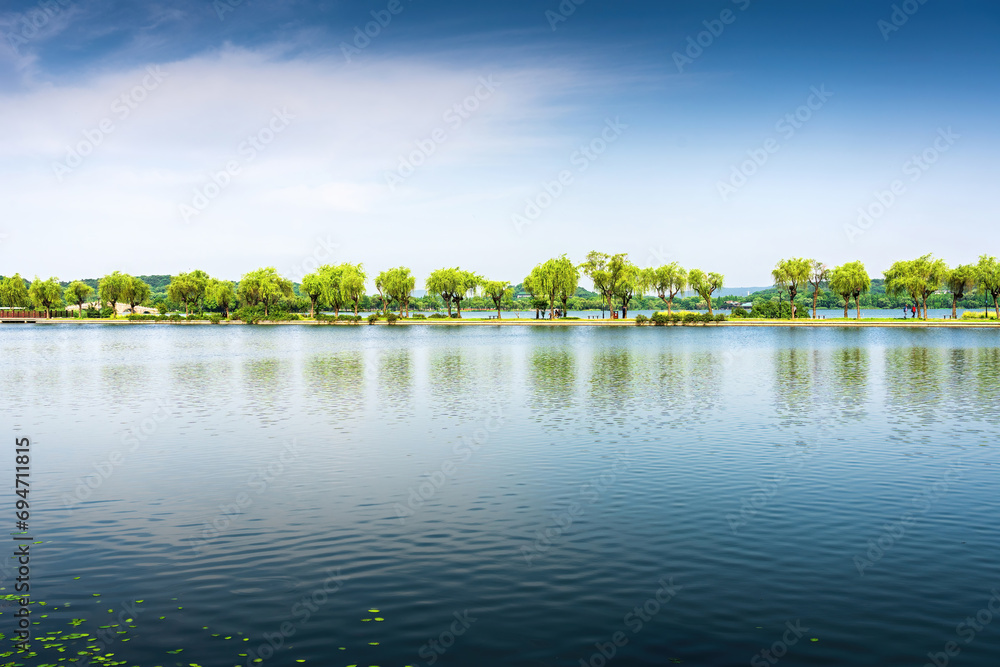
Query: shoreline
[917,324]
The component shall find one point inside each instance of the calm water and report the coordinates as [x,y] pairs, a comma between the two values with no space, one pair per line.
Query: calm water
[510,496]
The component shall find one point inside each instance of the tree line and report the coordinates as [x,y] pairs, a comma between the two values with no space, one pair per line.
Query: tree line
[618,285]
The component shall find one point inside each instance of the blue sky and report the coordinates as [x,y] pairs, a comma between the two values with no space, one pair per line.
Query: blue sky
[163,137]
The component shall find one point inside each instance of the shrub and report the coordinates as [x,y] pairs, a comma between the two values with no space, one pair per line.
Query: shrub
[176,317]
[214,318]
[391,318]
[437,316]
[105,312]
[720,318]
[770,310]
[373,318]
[976,315]
[691,318]
[739,313]
[418,316]
[249,314]
[660,319]
[344,317]
[455,316]
[641,319]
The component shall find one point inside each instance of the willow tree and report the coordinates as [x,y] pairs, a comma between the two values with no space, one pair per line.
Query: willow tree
[453,285]
[960,281]
[544,282]
[14,293]
[396,284]
[629,280]
[569,280]
[78,292]
[818,274]
[45,294]
[313,287]
[850,280]
[497,291]
[919,278]
[669,280]
[988,274]
[136,291]
[789,274]
[597,269]
[189,289]
[223,293]
[705,284]
[112,289]
[264,287]
[352,283]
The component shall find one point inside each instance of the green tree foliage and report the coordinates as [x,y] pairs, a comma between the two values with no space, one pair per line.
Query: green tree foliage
[568,278]
[45,294]
[453,285]
[919,278]
[704,284]
[498,291]
[988,275]
[264,287]
[628,280]
[668,281]
[396,285]
[850,280]
[222,293]
[13,292]
[135,292]
[960,281]
[352,283]
[188,289]
[598,270]
[789,274]
[112,289]
[818,274]
[78,292]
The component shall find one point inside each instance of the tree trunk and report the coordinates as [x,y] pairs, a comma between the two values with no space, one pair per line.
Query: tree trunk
[815,296]
[925,308]
[857,302]
[847,304]
[709,301]
[954,306]
[791,300]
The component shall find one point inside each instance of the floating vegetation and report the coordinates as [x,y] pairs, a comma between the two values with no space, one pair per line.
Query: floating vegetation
[65,641]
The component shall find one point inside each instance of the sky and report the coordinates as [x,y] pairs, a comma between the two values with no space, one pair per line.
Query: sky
[161,137]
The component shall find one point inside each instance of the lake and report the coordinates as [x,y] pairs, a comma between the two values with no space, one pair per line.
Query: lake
[508,496]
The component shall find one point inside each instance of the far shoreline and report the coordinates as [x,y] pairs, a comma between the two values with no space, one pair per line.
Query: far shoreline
[915,324]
